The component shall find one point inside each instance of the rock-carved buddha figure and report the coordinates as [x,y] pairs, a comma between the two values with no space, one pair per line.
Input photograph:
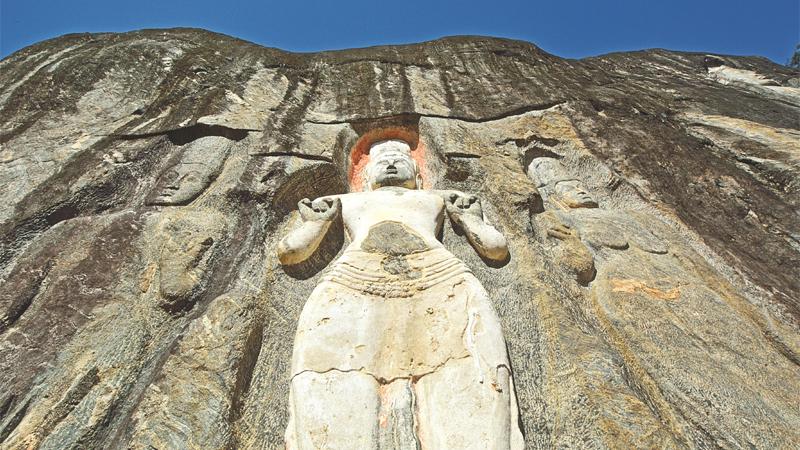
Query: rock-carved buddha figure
[398,345]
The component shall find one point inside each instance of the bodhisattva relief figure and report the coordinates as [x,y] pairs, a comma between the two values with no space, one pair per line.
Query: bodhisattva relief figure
[398,346]
[191,241]
[668,310]
[574,218]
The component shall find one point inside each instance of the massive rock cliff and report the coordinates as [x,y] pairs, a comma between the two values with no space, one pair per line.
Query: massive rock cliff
[147,177]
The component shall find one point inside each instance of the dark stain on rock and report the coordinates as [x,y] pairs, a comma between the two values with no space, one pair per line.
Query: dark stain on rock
[393,238]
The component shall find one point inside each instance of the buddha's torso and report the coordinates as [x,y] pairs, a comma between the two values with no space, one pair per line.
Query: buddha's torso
[393,220]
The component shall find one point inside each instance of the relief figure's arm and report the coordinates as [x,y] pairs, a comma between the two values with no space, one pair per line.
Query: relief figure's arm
[300,244]
[465,211]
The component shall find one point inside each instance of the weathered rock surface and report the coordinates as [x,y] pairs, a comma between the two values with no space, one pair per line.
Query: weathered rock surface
[148,176]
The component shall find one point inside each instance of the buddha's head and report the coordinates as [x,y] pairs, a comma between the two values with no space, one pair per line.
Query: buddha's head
[550,177]
[391,164]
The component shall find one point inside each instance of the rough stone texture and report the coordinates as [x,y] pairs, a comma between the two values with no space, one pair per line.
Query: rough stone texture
[126,324]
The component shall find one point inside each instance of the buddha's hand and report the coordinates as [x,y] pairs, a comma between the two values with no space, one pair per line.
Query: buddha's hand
[319,210]
[461,205]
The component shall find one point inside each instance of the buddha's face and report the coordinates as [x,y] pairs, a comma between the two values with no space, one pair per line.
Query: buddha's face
[391,165]
[572,193]
[181,184]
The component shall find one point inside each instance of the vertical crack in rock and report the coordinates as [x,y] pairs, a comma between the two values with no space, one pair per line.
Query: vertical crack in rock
[73,396]
[10,418]
[246,366]
[407,98]
[396,427]
[14,302]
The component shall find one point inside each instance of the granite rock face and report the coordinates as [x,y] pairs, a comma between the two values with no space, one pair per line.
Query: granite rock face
[148,177]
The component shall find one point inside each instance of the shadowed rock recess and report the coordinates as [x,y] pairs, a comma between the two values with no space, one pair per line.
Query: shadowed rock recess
[649,200]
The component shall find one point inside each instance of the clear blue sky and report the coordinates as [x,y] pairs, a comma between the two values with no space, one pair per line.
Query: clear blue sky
[567,28]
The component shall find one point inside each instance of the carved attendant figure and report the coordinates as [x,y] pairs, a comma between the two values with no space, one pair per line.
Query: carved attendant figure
[601,228]
[398,346]
[667,310]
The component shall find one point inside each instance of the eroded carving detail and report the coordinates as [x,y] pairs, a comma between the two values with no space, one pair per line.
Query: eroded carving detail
[398,326]
[184,259]
[392,238]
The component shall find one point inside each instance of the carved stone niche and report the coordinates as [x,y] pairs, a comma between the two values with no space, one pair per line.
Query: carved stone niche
[403,127]
[199,164]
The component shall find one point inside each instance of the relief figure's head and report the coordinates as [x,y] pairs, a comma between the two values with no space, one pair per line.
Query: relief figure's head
[193,173]
[572,193]
[391,164]
[181,184]
[551,178]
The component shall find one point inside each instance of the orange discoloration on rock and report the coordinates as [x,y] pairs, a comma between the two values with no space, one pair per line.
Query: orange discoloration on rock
[359,154]
[147,277]
[631,286]
[383,418]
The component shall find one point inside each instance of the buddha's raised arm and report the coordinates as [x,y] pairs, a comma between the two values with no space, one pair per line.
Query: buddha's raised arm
[317,217]
[465,211]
